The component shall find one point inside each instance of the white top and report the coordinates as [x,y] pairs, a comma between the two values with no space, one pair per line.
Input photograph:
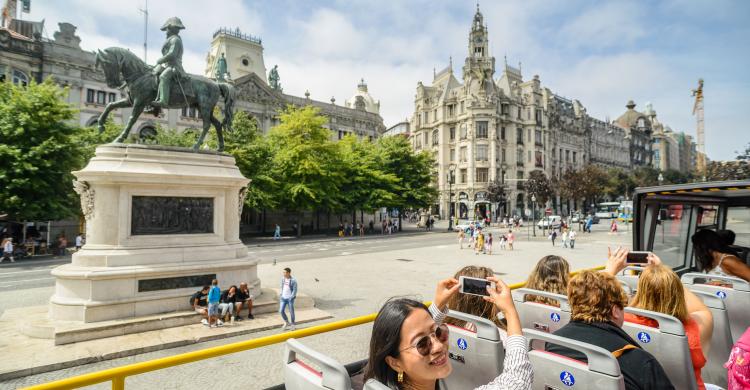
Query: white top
[79,241]
[572,235]
[718,270]
[286,290]
[8,246]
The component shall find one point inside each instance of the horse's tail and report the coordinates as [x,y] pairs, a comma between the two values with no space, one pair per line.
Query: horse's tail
[227,91]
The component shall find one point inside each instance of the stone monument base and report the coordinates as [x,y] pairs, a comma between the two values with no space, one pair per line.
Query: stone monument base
[160,223]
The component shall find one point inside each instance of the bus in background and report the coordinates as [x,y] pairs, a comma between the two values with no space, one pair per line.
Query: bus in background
[607,209]
[625,211]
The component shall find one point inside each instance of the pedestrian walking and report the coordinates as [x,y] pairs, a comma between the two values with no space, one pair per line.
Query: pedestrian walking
[62,244]
[214,295]
[8,250]
[488,245]
[565,238]
[288,295]
[277,232]
[553,236]
[613,227]
[572,239]
[461,236]
[589,222]
[79,241]
[361,229]
[479,247]
[511,239]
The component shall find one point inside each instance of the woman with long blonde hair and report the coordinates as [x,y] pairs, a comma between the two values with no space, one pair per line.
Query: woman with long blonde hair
[660,290]
[551,274]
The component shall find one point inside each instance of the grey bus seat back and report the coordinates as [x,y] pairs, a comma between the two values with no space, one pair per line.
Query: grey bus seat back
[539,316]
[477,357]
[627,277]
[374,384]
[552,371]
[627,289]
[667,343]
[721,340]
[299,375]
[736,298]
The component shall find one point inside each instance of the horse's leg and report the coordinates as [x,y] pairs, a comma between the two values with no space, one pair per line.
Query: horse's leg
[219,132]
[111,106]
[138,107]
[206,115]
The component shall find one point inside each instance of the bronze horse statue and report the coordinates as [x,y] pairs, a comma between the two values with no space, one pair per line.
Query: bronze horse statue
[124,70]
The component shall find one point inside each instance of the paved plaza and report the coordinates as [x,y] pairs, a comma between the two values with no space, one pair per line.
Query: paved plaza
[347,278]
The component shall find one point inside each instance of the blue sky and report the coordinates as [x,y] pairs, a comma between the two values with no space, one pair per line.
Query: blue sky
[602,53]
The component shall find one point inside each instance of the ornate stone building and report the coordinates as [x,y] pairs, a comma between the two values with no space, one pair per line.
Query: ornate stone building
[482,130]
[639,132]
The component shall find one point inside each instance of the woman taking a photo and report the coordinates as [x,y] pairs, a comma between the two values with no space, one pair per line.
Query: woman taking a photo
[409,343]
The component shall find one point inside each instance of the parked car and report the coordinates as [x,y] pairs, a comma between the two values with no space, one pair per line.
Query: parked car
[554,221]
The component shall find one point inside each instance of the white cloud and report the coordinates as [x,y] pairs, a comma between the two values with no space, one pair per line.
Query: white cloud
[606,25]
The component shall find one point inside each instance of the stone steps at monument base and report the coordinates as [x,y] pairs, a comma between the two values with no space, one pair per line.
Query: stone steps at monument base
[34,322]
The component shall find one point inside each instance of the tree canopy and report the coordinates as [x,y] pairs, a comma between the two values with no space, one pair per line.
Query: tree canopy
[38,150]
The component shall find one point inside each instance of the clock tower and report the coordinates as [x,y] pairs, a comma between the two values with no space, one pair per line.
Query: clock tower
[479,66]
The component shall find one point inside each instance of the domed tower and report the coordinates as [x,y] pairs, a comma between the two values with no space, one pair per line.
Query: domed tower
[362,100]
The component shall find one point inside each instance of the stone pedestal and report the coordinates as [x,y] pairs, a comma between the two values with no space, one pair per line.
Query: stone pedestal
[160,222]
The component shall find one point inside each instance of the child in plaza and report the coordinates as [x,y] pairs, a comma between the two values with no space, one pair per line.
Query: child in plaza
[572,238]
[565,238]
[214,295]
[8,250]
[502,241]
[461,236]
[511,238]
[488,245]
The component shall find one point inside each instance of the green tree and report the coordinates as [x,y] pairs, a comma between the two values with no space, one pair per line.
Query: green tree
[413,170]
[674,176]
[593,181]
[727,170]
[38,151]
[619,183]
[570,186]
[173,137]
[646,177]
[254,157]
[366,186]
[540,186]
[304,161]
[744,155]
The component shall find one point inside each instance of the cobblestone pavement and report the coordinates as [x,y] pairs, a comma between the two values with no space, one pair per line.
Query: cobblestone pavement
[347,279]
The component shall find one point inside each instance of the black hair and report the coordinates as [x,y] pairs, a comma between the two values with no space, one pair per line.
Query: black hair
[727,235]
[205,287]
[386,338]
[705,242]
[287,269]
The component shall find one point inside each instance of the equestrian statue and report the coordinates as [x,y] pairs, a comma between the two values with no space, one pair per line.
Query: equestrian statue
[165,85]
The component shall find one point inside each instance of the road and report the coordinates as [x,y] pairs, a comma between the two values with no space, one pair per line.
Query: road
[347,278]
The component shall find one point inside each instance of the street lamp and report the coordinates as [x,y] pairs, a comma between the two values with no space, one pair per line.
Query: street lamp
[660,178]
[451,169]
[533,214]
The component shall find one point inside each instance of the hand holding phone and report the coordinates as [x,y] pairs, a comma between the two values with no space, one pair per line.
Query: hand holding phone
[637,258]
[475,286]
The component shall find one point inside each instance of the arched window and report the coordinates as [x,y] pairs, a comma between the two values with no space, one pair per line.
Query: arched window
[20,78]
[435,137]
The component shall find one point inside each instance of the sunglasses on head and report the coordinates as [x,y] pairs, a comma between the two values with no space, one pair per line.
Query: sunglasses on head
[424,344]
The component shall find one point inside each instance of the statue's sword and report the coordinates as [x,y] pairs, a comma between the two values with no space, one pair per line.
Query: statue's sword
[181,90]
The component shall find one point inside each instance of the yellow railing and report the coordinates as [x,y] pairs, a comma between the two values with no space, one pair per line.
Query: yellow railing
[117,375]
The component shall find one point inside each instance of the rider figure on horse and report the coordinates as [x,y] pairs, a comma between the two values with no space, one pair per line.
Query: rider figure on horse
[169,67]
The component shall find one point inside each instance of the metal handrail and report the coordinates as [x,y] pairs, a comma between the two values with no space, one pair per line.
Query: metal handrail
[117,375]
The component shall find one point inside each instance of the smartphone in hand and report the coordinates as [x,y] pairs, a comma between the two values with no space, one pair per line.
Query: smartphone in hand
[637,258]
[474,286]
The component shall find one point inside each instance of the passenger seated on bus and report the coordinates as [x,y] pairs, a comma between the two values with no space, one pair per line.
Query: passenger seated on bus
[715,257]
[597,301]
[473,304]
[408,347]
[551,274]
[660,290]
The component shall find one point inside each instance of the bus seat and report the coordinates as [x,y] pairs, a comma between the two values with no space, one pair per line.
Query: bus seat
[476,356]
[374,384]
[631,280]
[667,343]
[539,316]
[627,289]
[736,298]
[298,375]
[552,371]
[721,340]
